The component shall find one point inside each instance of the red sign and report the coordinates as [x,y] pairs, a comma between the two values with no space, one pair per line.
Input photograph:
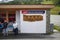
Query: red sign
[33,11]
[24,11]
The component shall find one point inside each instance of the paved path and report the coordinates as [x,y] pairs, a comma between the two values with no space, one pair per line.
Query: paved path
[55,36]
[55,19]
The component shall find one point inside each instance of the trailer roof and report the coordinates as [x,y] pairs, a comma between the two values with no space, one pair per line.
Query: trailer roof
[47,6]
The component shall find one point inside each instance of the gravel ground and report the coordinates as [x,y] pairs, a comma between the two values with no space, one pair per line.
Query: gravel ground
[55,36]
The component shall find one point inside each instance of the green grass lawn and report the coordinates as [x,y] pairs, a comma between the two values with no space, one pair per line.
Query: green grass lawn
[57,27]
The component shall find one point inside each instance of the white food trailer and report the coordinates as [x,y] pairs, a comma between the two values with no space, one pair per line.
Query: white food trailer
[31,18]
[34,21]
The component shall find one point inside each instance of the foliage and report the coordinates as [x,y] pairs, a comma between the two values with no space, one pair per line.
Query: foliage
[47,2]
[24,2]
[56,2]
[55,10]
[57,28]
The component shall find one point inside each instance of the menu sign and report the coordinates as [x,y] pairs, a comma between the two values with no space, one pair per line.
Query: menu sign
[32,18]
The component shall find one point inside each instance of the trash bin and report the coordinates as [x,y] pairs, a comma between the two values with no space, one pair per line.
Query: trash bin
[51,27]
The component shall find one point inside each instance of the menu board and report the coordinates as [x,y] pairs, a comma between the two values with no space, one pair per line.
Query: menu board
[32,18]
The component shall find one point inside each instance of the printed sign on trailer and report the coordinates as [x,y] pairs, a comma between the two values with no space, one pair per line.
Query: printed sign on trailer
[33,11]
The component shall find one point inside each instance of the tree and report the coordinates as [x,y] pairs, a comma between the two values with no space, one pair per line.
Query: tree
[24,2]
[29,1]
[56,2]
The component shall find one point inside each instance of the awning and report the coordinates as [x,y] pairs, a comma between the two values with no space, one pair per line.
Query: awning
[26,6]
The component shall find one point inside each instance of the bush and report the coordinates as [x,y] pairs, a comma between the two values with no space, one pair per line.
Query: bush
[55,10]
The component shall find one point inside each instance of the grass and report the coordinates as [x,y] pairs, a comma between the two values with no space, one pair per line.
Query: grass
[57,27]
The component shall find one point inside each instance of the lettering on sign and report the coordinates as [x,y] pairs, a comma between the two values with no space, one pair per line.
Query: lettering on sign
[32,18]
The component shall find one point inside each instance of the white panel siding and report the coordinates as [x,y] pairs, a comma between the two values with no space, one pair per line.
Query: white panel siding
[33,27]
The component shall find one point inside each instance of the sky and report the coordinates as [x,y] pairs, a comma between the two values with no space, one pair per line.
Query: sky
[0,0]
[7,0]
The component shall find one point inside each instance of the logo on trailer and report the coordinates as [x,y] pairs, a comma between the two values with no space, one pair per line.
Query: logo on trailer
[33,11]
